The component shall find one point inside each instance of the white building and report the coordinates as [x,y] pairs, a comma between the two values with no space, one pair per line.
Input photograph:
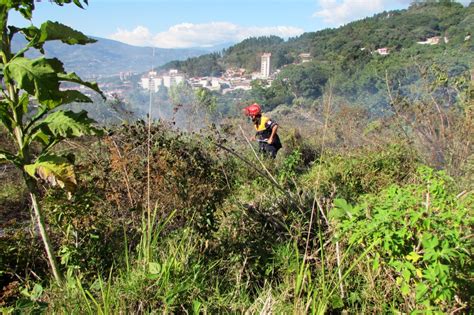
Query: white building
[173,78]
[265,65]
[151,82]
[305,57]
[431,41]
[383,51]
[215,84]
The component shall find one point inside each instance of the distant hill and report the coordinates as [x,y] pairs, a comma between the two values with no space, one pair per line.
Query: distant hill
[357,58]
[108,57]
[350,44]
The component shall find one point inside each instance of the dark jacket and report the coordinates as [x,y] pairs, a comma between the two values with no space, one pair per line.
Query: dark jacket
[264,126]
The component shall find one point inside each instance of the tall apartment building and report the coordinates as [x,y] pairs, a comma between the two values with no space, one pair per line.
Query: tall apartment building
[265,65]
[151,81]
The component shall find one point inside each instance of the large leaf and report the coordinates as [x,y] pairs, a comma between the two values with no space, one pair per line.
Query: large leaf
[54,31]
[38,77]
[56,170]
[9,118]
[57,31]
[41,77]
[64,124]
[72,77]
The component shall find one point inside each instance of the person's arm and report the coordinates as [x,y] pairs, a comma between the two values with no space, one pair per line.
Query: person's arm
[274,131]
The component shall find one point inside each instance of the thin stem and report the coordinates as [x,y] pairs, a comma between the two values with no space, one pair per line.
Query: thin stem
[44,236]
[125,172]
[339,271]
[148,194]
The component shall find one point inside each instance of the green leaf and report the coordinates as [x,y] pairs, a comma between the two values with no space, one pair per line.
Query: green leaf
[340,210]
[429,241]
[405,289]
[57,31]
[72,77]
[413,257]
[36,292]
[336,213]
[50,31]
[6,117]
[41,78]
[406,274]
[337,302]
[64,124]
[76,2]
[421,290]
[56,170]
[376,262]
[38,77]
[342,204]
[23,103]
[154,268]
[197,307]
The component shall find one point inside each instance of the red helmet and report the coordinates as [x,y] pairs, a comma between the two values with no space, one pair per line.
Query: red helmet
[252,110]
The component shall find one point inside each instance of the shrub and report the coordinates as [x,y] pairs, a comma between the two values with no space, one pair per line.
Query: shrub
[185,177]
[365,171]
[422,231]
[185,174]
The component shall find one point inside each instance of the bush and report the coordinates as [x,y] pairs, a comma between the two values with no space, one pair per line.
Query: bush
[92,228]
[421,233]
[353,174]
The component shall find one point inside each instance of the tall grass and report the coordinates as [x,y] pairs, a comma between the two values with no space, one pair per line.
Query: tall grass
[276,248]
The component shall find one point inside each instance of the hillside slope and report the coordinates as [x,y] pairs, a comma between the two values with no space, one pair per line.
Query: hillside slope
[109,57]
[348,56]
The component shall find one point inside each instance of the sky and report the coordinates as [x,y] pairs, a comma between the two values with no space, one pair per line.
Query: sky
[205,23]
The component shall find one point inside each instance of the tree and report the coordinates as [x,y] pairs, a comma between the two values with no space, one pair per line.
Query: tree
[306,80]
[30,103]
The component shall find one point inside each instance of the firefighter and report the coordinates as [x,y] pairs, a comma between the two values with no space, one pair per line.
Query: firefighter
[266,130]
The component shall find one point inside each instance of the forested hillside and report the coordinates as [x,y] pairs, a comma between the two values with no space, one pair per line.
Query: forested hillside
[357,71]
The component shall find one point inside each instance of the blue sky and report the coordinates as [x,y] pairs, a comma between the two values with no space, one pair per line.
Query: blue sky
[204,23]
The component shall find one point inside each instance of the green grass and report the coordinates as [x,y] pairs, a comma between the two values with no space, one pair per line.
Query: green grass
[267,253]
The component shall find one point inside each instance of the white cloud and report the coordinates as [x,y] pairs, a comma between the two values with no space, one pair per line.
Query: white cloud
[140,36]
[187,35]
[337,13]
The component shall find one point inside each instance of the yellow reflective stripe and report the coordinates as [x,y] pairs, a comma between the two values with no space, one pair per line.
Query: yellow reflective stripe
[263,121]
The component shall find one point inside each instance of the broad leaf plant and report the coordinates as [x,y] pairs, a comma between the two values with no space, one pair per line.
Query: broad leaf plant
[31,103]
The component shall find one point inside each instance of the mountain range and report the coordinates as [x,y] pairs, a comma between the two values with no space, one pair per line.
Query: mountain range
[107,57]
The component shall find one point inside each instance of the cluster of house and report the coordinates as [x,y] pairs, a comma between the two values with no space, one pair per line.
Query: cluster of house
[232,79]
[152,81]
[435,40]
